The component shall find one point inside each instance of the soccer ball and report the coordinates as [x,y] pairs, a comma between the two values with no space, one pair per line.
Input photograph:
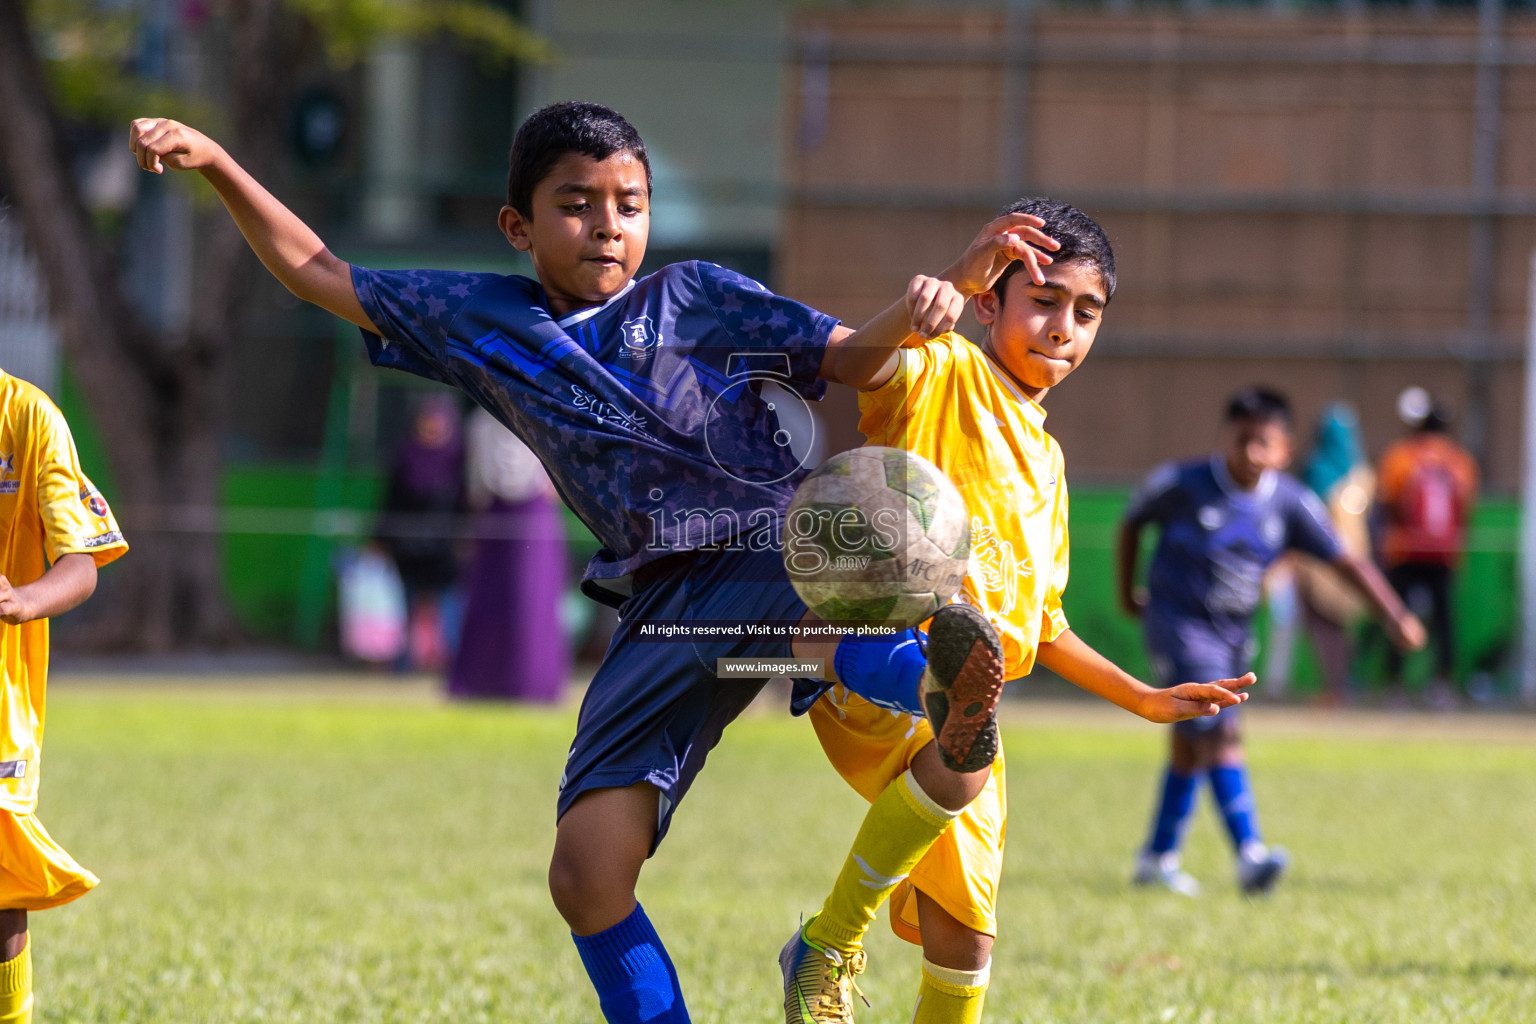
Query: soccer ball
[877,536]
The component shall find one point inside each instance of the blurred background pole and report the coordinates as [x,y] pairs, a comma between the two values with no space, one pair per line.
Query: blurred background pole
[1487,116]
[315,577]
[1528,510]
[1013,144]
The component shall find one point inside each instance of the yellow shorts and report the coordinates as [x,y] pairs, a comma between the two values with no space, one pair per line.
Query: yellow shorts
[35,872]
[870,747]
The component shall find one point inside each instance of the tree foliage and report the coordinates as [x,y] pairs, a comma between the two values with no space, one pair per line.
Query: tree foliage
[350,28]
[91,49]
[71,70]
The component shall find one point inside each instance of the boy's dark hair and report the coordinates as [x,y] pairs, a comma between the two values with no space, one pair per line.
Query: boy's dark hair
[1080,236]
[1259,405]
[560,128]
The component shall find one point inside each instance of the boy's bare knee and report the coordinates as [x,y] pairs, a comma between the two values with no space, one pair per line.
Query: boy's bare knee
[968,952]
[947,942]
[565,883]
[1200,752]
[976,955]
[591,894]
[600,845]
[1184,753]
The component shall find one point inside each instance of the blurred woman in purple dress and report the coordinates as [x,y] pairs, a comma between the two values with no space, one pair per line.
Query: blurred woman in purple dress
[512,645]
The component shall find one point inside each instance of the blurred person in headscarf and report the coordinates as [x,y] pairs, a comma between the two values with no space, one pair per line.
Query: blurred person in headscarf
[1428,485]
[1339,473]
[512,645]
[423,504]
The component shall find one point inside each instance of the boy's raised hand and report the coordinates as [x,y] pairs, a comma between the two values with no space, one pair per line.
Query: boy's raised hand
[285,244]
[1013,236]
[158,142]
[934,306]
[1194,700]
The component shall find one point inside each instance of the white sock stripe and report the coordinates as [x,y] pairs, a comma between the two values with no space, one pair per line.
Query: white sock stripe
[959,979]
[876,880]
[925,801]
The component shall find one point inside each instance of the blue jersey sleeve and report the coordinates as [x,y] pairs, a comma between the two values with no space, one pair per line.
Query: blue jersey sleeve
[1309,528]
[754,317]
[413,310]
[1154,499]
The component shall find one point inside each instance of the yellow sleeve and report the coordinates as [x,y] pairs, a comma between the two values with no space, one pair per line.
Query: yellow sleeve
[76,519]
[1054,620]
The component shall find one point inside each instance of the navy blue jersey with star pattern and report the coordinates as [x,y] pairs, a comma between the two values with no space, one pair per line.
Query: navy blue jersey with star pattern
[649,412]
[1218,540]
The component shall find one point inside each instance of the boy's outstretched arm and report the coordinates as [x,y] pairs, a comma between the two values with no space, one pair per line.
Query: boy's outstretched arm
[1072,659]
[1404,627]
[66,584]
[284,243]
[866,358]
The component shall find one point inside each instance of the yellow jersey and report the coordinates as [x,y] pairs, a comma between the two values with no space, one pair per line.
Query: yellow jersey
[48,509]
[950,403]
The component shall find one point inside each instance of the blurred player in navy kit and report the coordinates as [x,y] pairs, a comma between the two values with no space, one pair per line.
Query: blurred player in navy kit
[1224,520]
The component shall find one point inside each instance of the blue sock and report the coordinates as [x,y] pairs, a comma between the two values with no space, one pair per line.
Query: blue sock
[1173,811]
[1229,784]
[884,670]
[634,977]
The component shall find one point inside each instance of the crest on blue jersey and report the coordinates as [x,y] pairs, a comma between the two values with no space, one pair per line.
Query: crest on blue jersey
[639,336]
[1274,531]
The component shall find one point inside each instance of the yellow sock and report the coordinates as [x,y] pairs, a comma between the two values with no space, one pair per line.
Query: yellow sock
[951,997]
[901,826]
[16,988]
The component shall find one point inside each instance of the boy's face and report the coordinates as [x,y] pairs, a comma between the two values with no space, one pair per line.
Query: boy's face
[1253,446]
[586,230]
[1039,333]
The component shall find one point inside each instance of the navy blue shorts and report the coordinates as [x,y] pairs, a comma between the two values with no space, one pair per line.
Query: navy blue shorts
[655,709]
[1192,652]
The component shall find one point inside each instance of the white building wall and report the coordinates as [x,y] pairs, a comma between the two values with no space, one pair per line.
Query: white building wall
[702,80]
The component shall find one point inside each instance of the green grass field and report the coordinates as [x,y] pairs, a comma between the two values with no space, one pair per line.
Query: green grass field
[311,851]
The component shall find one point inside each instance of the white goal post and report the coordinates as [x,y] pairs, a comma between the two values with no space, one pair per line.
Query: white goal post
[1528,509]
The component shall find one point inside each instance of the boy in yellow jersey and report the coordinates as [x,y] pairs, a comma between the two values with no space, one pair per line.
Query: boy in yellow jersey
[57,530]
[974,411]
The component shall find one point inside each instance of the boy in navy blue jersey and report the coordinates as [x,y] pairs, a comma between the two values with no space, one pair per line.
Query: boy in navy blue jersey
[1224,520]
[644,399]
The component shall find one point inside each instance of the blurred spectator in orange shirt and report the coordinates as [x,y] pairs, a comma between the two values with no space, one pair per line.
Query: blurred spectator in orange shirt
[1427,485]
